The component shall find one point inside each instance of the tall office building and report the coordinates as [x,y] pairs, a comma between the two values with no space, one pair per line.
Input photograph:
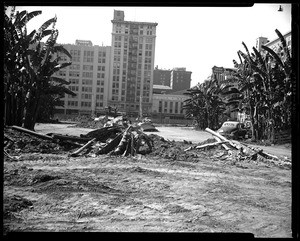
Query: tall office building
[131,65]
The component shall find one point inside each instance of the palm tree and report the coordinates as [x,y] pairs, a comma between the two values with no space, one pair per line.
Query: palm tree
[265,84]
[16,42]
[205,104]
[29,67]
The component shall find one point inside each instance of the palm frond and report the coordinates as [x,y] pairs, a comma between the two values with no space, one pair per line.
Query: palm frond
[46,25]
[29,17]
[276,57]
[61,49]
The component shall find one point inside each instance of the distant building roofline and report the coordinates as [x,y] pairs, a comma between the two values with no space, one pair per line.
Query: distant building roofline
[133,22]
[274,40]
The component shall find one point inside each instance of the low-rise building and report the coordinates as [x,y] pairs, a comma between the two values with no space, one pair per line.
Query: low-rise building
[167,108]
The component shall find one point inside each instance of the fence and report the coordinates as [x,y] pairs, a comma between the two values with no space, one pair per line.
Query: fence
[282,137]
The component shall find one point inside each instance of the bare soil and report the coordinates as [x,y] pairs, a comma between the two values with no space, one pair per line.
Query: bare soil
[168,190]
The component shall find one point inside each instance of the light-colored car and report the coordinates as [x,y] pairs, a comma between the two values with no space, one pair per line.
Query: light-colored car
[233,129]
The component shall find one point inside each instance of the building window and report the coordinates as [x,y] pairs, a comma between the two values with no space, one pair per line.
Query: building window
[72,103]
[74,81]
[74,74]
[86,89]
[88,56]
[86,104]
[87,74]
[87,67]
[87,81]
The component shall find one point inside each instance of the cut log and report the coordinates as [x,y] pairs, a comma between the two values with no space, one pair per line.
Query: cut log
[222,138]
[223,145]
[110,145]
[75,153]
[261,152]
[211,144]
[237,145]
[32,132]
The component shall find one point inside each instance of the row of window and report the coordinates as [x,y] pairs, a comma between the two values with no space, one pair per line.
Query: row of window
[177,107]
[84,103]
[134,31]
[85,82]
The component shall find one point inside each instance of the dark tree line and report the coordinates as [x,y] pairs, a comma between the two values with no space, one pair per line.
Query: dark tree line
[263,91]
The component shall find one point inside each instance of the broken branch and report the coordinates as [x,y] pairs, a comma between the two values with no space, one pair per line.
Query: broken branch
[75,153]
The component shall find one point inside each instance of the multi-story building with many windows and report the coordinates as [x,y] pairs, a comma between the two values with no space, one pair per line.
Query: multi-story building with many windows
[88,76]
[121,75]
[132,64]
[177,79]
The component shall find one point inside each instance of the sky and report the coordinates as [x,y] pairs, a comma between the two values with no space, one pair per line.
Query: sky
[196,38]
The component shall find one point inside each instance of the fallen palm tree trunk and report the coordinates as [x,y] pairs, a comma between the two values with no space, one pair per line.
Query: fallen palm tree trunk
[261,152]
[70,138]
[127,143]
[242,147]
[210,144]
[222,138]
[32,132]
[102,134]
[110,145]
[206,145]
[223,145]
[75,153]
[121,148]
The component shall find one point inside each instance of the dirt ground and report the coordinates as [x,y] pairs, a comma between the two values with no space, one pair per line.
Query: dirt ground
[167,190]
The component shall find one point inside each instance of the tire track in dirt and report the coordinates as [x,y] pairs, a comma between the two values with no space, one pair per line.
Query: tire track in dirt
[143,194]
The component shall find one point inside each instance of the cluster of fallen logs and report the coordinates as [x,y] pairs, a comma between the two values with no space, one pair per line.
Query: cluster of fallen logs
[238,150]
[112,140]
[119,140]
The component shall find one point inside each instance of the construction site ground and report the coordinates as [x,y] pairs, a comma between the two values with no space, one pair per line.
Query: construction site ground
[167,190]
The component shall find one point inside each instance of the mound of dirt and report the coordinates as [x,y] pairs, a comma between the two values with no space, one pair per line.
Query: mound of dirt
[26,143]
[173,150]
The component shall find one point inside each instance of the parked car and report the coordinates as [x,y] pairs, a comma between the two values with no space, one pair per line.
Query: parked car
[233,130]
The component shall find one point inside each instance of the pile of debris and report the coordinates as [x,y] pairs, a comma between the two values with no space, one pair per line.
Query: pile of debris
[19,140]
[113,140]
[130,141]
[236,151]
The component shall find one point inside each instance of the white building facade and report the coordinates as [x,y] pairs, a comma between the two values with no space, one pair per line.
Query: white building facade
[88,76]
